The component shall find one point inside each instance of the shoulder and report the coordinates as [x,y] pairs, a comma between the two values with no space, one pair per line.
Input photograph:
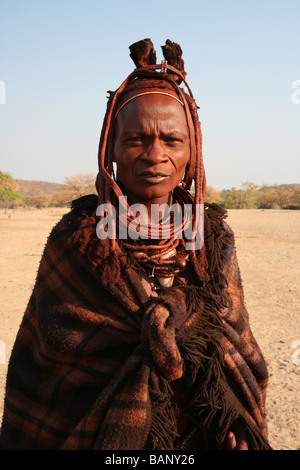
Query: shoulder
[218,235]
[80,216]
[215,223]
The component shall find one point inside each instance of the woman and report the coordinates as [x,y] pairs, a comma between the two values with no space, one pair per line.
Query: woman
[139,341]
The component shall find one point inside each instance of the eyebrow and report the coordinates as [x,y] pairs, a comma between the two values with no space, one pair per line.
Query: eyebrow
[172,133]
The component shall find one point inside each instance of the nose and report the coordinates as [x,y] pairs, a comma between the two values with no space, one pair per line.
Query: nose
[155,152]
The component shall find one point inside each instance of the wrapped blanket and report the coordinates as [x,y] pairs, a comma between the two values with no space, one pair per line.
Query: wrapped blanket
[96,360]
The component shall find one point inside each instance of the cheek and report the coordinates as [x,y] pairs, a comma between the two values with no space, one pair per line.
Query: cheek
[123,156]
[116,152]
[183,159]
[124,165]
[186,158]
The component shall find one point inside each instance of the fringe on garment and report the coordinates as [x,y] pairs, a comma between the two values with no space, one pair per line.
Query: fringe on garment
[200,344]
[95,357]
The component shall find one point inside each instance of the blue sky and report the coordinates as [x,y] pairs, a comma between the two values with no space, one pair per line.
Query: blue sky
[59,58]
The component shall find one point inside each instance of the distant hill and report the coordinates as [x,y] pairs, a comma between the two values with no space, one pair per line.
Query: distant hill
[32,188]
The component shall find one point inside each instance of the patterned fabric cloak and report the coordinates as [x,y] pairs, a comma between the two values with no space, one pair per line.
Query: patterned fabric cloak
[96,360]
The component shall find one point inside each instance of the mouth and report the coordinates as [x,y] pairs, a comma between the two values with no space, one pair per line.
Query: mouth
[153,177]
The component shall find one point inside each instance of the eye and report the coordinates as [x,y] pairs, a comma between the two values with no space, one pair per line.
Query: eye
[134,139]
[173,140]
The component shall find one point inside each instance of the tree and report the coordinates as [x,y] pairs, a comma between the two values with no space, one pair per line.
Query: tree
[38,200]
[212,195]
[74,187]
[249,190]
[233,198]
[80,185]
[265,197]
[283,196]
[9,196]
[295,196]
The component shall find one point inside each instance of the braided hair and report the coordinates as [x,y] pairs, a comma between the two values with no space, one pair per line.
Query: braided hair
[168,75]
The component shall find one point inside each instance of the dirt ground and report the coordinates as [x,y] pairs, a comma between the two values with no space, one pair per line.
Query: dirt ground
[268,247]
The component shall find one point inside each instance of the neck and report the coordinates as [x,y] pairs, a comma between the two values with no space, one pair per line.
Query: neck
[148,203]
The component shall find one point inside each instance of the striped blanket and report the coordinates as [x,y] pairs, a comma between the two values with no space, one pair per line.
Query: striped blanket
[97,363]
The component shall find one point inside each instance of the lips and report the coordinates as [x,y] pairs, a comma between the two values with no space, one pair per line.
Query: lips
[153,177]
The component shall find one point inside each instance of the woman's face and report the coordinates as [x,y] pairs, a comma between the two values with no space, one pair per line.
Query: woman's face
[151,148]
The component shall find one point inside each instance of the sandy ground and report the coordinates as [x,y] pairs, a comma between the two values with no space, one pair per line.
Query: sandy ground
[268,247]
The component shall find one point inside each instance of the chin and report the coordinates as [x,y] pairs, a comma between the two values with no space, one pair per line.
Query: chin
[146,193]
[154,194]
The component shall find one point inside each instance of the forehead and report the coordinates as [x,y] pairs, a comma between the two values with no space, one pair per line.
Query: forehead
[152,108]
